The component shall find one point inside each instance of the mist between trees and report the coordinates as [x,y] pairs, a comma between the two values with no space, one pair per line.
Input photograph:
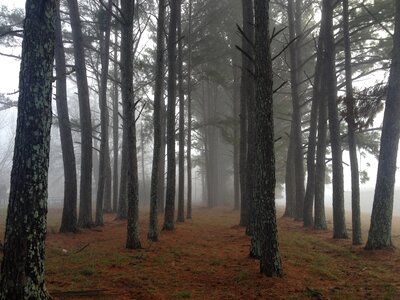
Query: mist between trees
[163,106]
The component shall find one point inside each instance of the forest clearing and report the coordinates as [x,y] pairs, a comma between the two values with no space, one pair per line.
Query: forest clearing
[208,259]
[168,139]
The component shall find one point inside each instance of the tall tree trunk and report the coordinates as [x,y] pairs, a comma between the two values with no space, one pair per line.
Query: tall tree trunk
[312,145]
[69,216]
[85,204]
[246,95]
[381,219]
[189,125]
[22,268]
[128,7]
[265,228]
[144,185]
[290,183]
[339,223]
[181,159]
[319,215]
[236,137]
[115,125]
[158,98]
[161,174]
[104,116]
[296,130]
[171,167]
[122,200]
[351,125]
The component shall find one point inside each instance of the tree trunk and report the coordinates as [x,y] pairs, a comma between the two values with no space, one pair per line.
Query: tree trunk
[22,268]
[104,117]
[161,178]
[189,126]
[236,137]
[85,204]
[351,125]
[296,130]
[312,144]
[265,228]
[246,95]
[171,167]
[115,125]
[122,200]
[319,215]
[69,216]
[144,185]
[381,219]
[339,223]
[158,98]
[132,241]
[181,158]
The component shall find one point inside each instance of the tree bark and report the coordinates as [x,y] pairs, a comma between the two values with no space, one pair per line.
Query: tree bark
[115,125]
[189,125]
[236,137]
[265,228]
[122,200]
[296,113]
[246,95]
[158,98]
[181,155]
[171,167]
[69,216]
[379,236]
[339,222]
[104,119]
[351,125]
[127,7]
[85,204]
[22,268]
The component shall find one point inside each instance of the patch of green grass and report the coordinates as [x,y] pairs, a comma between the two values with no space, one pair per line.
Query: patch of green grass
[183,295]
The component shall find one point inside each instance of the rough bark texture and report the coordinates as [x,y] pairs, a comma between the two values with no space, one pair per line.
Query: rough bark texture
[246,95]
[22,268]
[381,219]
[189,125]
[104,163]
[171,166]
[181,155]
[339,222]
[85,204]
[127,7]
[265,228]
[351,125]
[296,130]
[158,98]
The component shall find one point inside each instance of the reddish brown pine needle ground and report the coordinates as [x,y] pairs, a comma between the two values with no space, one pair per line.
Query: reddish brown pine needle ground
[207,258]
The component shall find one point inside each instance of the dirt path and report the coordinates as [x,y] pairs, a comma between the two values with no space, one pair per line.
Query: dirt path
[207,258]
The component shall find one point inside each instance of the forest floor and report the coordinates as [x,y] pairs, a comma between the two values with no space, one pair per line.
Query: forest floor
[207,258]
